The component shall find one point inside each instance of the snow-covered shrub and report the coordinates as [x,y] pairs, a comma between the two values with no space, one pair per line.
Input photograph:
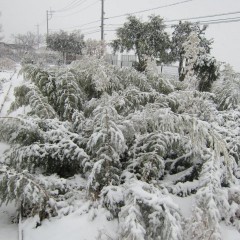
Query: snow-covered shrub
[59,88]
[30,95]
[106,144]
[112,198]
[128,136]
[211,202]
[42,144]
[149,213]
[149,153]
[24,189]
[227,90]
[17,130]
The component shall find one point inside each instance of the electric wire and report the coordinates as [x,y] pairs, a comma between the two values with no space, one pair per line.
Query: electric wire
[70,4]
[82,29]
[72,7]
[88,33]
[85,24]
[207,16]
[150,9]
[71,14]
[73,3]
[193,18]
[164,6]
[202,21]
[219,21]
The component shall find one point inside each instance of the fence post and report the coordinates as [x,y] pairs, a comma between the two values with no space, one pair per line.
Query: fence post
[20,230]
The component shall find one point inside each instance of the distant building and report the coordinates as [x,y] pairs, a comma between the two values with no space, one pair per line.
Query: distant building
[13,51]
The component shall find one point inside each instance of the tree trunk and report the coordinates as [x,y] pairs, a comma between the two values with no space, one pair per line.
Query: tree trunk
[64,57]
[141,66]
[181,75]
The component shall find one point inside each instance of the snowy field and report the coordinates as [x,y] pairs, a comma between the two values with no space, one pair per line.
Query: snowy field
[80,225]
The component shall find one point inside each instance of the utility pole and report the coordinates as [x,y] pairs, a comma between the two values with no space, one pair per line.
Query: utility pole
[49,13]
[102,21]
[47,23]
[38,35]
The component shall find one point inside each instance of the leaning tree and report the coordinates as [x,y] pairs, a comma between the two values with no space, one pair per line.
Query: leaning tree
[180,35]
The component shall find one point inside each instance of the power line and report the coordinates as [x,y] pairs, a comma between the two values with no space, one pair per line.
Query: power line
[164,6]
[209,22]
[90,5]
[88,33]
[70,7]
[192,18]
[151,9]
[204,22]
[85,24]
[216,21]
[207,16]
[222,19]
[219,21]
[82,29]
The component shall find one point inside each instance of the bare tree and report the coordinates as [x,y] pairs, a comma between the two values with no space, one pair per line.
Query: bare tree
[94,48]
[27,41]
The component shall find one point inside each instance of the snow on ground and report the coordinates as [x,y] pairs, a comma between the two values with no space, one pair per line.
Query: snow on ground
[185,204]
[229,232]
[72,227]
[8,229]
[3,147]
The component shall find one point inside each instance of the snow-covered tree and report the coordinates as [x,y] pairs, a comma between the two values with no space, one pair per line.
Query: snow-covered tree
[227,89]
[147,39]
[200,69]
[179,36]
[95,48]
[66,43]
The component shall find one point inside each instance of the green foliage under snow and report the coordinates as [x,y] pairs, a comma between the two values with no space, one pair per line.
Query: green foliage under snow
[135,138]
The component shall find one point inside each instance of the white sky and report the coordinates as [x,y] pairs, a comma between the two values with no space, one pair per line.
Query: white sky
[20,16]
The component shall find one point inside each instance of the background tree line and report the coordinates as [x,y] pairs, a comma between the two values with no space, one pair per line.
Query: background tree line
[148,39]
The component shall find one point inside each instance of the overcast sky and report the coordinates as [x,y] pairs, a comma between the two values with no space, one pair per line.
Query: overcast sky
[20,16]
